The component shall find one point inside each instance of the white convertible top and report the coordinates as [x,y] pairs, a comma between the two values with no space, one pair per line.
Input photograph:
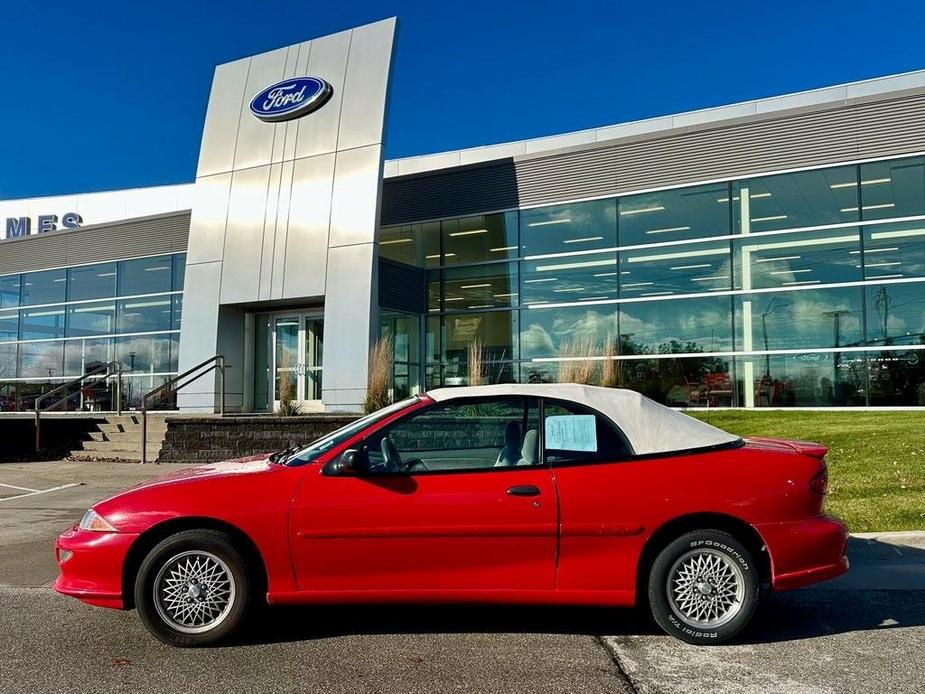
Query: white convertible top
[650,427]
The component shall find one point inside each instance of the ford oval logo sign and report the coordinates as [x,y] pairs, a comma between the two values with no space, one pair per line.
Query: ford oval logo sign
[290,98]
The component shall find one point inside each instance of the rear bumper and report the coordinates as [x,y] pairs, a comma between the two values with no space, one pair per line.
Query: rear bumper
[805,552]
[93,572]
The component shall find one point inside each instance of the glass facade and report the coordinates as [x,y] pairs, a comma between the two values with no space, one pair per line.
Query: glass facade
[57,324]
[797,289]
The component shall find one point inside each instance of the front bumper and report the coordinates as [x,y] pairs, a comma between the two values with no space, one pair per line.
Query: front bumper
[805,552]
[93,571]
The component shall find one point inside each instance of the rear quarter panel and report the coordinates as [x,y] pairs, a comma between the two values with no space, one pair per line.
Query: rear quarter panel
[608,511]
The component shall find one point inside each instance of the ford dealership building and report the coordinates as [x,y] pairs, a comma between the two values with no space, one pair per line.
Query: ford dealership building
[766,253]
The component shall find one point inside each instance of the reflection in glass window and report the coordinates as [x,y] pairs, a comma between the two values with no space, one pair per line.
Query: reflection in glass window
[682,381]
[896,377]
[145,275]
[149,353]
[179,271]
[8,364]
[569,229]
[9,291]
[177,315]
[480,287]
[787,201]
[480,238]
[496,331]
[81,356]
[434,278]
[41,359]
[91,282]
[91,319]
[42,323]
[893,188]
[670,215]
[144,315]
[804,380]
[896,314]
[806,319]
[892,251]
[412,244]
[432,339]
[590,277]
[403,328]
[555,332]
[685,269]
[676,326]
[798,259]
[9,326]
[45,287]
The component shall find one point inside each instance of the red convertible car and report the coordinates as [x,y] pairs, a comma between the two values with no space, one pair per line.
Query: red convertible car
[540,494]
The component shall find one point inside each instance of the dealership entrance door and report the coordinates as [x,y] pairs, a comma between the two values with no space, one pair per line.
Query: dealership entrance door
[288,359]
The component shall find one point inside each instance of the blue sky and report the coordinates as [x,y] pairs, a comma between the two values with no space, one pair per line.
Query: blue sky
[100,95]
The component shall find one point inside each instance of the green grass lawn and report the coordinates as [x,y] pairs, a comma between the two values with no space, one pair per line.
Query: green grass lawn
[876,460]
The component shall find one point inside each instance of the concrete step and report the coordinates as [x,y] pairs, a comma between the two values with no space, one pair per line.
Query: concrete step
[115,455]
[128,445]
[130,437]
[116,428]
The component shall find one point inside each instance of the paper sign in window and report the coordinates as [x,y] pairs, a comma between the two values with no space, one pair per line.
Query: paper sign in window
[574,432]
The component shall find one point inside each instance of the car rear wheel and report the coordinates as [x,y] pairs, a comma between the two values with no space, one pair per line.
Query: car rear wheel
[703,587]
[192,588]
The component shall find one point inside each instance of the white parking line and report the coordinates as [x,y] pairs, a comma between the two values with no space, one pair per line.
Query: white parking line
[34,492]
[22,489]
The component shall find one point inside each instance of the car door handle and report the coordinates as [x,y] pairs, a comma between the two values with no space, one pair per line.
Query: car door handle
[524,490]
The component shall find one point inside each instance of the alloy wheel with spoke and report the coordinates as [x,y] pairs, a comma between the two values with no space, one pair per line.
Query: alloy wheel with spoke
[705,588]
[194,591]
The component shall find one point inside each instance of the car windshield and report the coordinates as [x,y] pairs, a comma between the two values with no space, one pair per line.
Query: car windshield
[328,441]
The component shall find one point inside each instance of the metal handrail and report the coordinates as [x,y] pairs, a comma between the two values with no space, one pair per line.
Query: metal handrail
[216,363]
[96,371]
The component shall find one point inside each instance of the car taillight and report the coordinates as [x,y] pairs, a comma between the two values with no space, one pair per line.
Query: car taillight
[820,482]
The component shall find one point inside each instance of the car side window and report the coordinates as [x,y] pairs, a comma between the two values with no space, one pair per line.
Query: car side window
[473,434]
[573,433]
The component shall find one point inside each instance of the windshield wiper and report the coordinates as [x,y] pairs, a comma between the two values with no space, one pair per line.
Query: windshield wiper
[283,456]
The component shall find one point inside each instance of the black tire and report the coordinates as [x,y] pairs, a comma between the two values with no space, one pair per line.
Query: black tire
[232,605]
[738,579]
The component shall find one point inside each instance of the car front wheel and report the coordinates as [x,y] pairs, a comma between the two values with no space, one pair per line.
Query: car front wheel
[192,588]
[703,587]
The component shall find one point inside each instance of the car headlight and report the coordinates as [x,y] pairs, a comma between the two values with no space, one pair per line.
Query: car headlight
[95,522]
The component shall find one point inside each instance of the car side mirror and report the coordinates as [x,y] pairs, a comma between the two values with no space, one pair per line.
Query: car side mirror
[347,463]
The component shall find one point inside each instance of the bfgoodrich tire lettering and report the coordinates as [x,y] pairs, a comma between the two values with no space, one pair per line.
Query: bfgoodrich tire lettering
[192,589]
[703,587]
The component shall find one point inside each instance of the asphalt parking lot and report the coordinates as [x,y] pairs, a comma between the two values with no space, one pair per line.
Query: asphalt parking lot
[864,632]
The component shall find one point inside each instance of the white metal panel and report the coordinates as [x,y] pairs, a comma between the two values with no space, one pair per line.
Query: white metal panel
[366,85]
[244,235]
[306,239]
[265,267]
[282,230]
[351,281]
[317,133]
[254,143]
[207,223]
[354,199]
[216,151]
[199,333]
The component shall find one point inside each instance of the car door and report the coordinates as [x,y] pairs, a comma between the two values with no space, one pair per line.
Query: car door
[452,497]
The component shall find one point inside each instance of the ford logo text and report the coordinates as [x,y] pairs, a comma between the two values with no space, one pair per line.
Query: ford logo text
[290,99]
